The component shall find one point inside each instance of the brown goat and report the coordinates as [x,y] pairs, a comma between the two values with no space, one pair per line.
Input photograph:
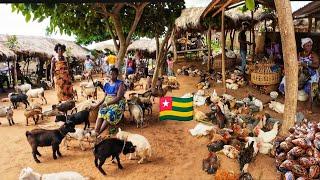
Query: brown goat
[34,113]
[160,92]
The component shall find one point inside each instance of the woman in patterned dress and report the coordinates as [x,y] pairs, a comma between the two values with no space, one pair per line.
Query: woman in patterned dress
[60,73]
[113,104]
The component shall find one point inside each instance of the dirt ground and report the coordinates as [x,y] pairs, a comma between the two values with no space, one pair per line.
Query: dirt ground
[176,154]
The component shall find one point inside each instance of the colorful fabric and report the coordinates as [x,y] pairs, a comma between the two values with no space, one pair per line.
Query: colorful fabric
[313,79]
[112,59]
[112,113]
[174,108]
[112,89]
[62,80]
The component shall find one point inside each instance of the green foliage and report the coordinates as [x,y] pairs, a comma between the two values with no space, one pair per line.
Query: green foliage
[12,42]
[215,46]
[250,4]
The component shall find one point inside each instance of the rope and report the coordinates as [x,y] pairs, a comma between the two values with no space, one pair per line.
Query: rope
[124,143]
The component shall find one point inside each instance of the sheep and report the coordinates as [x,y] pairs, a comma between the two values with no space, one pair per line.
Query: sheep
[23,88]
[43,137]
[136,113]
[34,113]
[143,147]
[15,98]
[29,174]
[79,135]
[36,93]
[8,113]
[111,147]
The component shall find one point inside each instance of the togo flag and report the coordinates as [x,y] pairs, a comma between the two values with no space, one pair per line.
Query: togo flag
[174,108]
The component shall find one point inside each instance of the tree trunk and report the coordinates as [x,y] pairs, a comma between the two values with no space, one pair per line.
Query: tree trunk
[15,77]
[174,45]
[223,45]
[8,63]
[160,58]
[288,41]
[157,46]
[310,24]
[253,39]
[209,49]
[116,45]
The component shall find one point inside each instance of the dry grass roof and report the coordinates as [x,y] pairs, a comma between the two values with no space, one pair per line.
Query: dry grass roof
[189,18]
[43,45]
[143,44]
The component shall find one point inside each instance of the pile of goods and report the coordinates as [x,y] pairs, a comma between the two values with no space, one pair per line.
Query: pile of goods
[298,155]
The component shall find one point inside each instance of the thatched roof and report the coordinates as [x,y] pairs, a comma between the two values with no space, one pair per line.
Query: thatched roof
[301,25]
[143,44]
[189,18]
[5,51]
[43,45]
[108,44]
[310,10]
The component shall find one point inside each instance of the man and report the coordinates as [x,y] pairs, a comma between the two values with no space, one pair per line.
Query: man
[243,45]
[88,67]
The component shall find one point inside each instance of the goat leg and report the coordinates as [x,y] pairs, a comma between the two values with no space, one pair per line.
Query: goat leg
[9,122]
[58,151]
[118,160]
[54,149]
[100,166]
[96,161]
[34,153]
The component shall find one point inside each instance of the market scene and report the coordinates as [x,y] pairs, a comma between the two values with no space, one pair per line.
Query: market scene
[187,89]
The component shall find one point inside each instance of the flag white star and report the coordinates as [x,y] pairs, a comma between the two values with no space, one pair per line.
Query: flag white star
[165,103]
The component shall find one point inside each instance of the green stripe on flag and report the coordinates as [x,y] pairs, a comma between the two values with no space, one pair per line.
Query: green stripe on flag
[176,99]
[182,109]
[176,118]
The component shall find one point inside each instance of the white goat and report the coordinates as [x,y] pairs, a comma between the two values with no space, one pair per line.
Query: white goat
[36,93]
[137,113]
[8,113]
[80,135]
[143,147]
[23,88]
[29,174]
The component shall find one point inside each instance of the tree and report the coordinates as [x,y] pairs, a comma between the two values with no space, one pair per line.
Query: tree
[95,21]
[12,44]
[290,63]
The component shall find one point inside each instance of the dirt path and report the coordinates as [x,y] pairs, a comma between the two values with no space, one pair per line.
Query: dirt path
[176,154]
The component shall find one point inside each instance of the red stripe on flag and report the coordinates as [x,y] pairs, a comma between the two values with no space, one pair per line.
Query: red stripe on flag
[165,103]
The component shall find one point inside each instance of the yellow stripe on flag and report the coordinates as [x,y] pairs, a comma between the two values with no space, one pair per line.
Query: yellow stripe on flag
[176,113]
[181,104]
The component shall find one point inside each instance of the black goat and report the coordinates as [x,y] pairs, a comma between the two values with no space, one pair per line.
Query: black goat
[43,137]
[65,106]
[111,147]
[77,118]
[15,98]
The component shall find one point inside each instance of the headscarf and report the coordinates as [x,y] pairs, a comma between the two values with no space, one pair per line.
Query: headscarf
[305,41]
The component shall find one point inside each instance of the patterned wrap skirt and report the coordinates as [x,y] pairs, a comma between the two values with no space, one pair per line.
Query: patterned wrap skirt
[63,84]
[112,113]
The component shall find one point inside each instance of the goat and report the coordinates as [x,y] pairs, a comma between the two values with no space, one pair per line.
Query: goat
[22,88]
[111,147]
[15,98]
[77,118]
[29,174]
[160,92]
[43,137]
[8,113]
[136,112]
[34,113]
[37,93]
[65,106]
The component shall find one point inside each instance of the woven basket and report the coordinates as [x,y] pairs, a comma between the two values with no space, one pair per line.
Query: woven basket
[229,63]
[262,75]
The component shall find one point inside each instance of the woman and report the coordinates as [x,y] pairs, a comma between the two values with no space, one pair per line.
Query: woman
[60,73]
[113,103]
[88,66]
[170,65]
[308,60]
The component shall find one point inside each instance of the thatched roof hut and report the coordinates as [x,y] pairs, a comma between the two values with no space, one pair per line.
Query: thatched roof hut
[143,44]
[108,44]
[190,19]
[5,52]
[42,46]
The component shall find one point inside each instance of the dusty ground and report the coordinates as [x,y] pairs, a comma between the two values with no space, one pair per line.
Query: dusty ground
[176,154]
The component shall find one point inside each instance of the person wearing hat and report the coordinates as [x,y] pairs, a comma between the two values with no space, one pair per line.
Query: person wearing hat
[242,38]
[308,60]
[170,65]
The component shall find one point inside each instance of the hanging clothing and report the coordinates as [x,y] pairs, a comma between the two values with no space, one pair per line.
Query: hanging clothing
[62,79]
[112,113]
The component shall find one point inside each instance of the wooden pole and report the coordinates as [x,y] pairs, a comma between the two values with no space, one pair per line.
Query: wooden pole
[223,45]
[315,24]
[310,24]
[253,38]
[288,41]
[209,48]
[15,77]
